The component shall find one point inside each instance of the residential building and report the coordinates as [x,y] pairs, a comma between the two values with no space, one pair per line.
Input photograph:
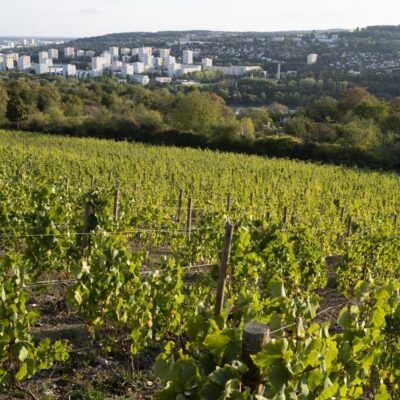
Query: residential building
[125,51]
[69,52]
[163,79]
[24,63]
[127,70]
[41,69]
[173,69]
[98,63]
[9,61]
[90,53]
[107,58]
[69,70]
[169,60]
[312,58]
[142,79]
[80,53]
[116,65]
[114,51]
[188,57]
[43,55]
[53,54]
[164,53]
[138,67]
[148,59]
[206,63]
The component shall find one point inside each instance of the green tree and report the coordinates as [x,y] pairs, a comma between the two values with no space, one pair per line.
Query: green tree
[325,109]
[199,112]
[246,128]
[17,110]
[48,97]
[3,101]
[361,133]
[372,107]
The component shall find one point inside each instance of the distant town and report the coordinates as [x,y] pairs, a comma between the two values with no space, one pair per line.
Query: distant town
[133,64]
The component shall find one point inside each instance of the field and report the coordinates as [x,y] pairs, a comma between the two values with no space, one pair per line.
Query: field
[131,272]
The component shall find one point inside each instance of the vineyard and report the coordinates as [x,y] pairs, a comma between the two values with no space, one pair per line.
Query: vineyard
[200,275]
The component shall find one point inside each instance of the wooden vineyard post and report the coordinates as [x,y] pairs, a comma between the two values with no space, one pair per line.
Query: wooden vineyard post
[89,211]
[189,219]
[225,256]
[251,198]
[341,214]
[178,217]
[255,336]
[116,203]
[228,203]
[348,228]
[110,176]
[284,218]
[67,186]
[92,180]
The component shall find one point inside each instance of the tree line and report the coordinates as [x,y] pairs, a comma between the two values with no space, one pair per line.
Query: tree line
[357,128]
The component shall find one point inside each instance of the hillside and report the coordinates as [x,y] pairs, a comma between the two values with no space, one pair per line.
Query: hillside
[135,271]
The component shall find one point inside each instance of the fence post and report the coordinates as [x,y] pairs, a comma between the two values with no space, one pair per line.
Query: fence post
[284,218]
[92,180]
[225,256]
[348,228]
[116,203]
[228,203]
[178,217]
[110,176]
[89,211]
[189,219]
[255,336]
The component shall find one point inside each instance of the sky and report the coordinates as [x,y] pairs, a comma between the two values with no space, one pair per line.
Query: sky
[78,18]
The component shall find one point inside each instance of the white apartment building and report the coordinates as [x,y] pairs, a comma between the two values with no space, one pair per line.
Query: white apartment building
[189,69]
[164,53]
[145,50]
[127,70]
[169,60]
[236,70]
[163,79]
[148,60]
[53,53]
[116,65]
[173,69]
[69,70]
[125,51]
[56,70]
[43,55]
[114,51]
[312,59]
[142,79]
[90,53]
[135,51]
[98,63]
[41,69]
[206,63]
[69,52]
[107,58]
[138,67]
[188,57]
[9,60]
[24,63]
[47,61]
[80,53]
